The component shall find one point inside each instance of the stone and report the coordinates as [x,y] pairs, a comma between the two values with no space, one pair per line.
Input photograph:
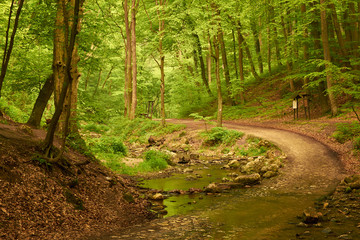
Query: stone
[224,179]
[344,236]
[234,164]
[304,225]
[269,174]
[157,196]
[310,216]
[327,230]
[252,166]
[212,188]
[248,179]
[183,158]
[188,170]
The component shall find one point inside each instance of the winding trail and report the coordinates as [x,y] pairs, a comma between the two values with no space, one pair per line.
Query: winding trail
[311,170]
[310,165]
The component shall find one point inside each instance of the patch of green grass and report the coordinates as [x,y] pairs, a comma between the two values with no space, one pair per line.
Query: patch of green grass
[153,161]
[219,135]
[347,131]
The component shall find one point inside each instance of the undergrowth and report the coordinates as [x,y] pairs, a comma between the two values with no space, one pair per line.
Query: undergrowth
[219,135]
[348,132]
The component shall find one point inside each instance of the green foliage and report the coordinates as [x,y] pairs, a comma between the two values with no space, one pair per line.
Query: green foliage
[41,160]
[346,131]
[356,143]
[97,128]
[255,147]
[108,144]
[219,135]
[156,160]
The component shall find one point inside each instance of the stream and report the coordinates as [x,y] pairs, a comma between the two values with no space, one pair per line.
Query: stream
[259,212]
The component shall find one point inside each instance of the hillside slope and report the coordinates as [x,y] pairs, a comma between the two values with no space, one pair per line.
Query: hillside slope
[59,201]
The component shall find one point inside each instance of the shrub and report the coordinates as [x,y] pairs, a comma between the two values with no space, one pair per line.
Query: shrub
[347,131]
[218,135]
[357,143]
[156,160]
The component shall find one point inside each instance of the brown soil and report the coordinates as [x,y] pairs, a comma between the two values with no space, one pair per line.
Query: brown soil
[59,201]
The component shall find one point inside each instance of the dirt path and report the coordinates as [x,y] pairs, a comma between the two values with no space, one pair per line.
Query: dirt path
[310,166]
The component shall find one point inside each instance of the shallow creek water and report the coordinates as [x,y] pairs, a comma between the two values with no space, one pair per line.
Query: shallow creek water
[251,213]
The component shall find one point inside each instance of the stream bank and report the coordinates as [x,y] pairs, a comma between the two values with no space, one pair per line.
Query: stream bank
[267,211]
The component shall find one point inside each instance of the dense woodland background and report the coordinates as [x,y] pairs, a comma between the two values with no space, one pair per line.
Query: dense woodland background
[187,56]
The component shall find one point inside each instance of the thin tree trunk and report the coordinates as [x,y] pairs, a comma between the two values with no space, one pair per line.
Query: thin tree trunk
[162,60]
[235,58]
[41,102]
[338,31]
[248,53]
[8,50]
[241,64]
[133,59]
[327,57]
[202,64]
[257,46]
[268,36]
[218,81]
[98,83]
[128,69]
[225,63]
[209,61]
[107,77]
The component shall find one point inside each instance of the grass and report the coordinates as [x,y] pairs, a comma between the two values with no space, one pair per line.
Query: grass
[218,135]
[153,161]
[348,132]
[255,147]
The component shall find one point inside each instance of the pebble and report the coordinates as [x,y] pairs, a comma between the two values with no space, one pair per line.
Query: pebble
[344,236]
[327,230]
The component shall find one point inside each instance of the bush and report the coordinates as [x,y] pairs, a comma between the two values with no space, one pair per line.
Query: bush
[156,160]
[357,143]
[108,145]
[346,131]
[218,135]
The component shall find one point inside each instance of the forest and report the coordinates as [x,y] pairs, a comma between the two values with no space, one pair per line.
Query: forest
[93,74]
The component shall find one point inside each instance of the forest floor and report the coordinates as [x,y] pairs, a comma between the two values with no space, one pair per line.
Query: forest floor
[39,200]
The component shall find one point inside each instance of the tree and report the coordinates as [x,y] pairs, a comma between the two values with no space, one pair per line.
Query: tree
[327,57]
[63,69]
[9,45]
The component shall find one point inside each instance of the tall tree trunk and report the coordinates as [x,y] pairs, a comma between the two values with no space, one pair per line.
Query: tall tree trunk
[327,57]
[241,64]
[225,63]
[338,31]
[268,31]
[133,60]
[98,83]
[68,47]
[248,53]
[128,68]
[257,46]
[218,81]
[276,42]
[209,61]
[305,44]
[286,50]
[8,49]
[162,58]
[41,102]
[202,64]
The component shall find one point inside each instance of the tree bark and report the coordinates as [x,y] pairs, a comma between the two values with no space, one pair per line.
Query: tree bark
[327,57]
[8,50]
[257,46]
[128,68]
[218,81]
[67,47]
[338,31]
[133,60]
[162,59]
[248,53]
[202,64]
[41,102]
[225,63]
[241,64]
